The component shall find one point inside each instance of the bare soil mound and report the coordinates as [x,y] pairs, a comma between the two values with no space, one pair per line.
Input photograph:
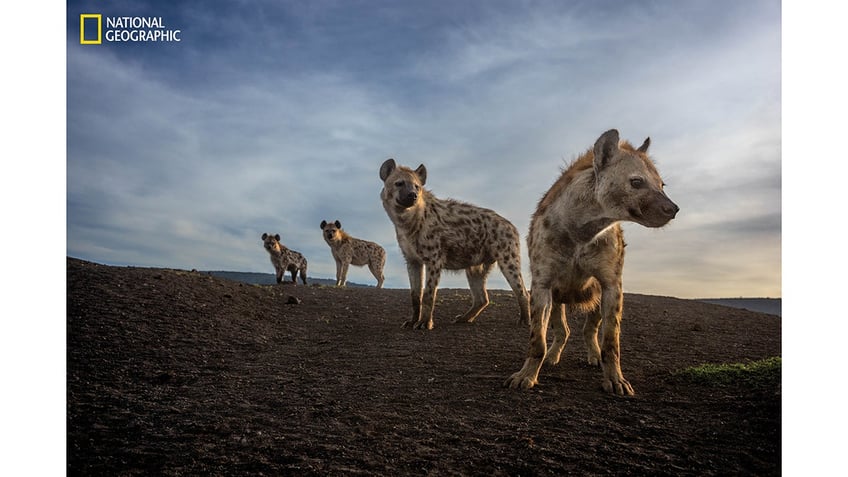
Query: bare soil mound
[172,372]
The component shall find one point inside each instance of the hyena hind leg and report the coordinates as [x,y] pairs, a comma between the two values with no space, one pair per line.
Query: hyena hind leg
[559,324]
[590,336]
[512,273]
[377,271]
[479,297]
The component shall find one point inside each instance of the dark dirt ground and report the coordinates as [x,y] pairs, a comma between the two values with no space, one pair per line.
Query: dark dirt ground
[173,372]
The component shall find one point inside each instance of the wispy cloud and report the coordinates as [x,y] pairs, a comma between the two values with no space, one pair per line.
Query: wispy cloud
[274,117]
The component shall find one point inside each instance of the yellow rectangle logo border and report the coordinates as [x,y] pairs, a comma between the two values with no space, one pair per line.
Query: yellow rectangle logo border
[83,17]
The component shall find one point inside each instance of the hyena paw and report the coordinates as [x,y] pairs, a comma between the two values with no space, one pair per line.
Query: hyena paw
[463,319]
[527,377]
[593,359]
[521,380]
[423,325]
[618,386]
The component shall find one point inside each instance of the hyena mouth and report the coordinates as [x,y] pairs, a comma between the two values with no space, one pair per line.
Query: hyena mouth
[635,213]
[406,202]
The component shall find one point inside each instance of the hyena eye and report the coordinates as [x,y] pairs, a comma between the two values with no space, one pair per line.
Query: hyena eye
[399,184]
[637,182]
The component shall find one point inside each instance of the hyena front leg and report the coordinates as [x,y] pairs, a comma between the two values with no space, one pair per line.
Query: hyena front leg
[343,273]
[415,270]
[280,271]
[339,273]
[428,300]
[480,298]
[612,301]
[540,307]
[559,324]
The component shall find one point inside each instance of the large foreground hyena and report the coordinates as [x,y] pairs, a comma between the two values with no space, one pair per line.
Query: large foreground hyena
[441,235]
[349,251]
[577,252]
[284,259]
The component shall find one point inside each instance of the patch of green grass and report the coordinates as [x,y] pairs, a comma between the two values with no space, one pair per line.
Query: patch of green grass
[756,372]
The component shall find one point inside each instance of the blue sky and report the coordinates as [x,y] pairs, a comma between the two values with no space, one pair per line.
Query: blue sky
[271,116]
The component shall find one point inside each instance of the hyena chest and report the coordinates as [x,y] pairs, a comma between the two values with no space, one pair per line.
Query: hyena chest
[574,267]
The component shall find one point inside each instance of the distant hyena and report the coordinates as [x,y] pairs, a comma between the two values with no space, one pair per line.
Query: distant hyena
[577,252]
[441,235]
[284,259]
[352,251]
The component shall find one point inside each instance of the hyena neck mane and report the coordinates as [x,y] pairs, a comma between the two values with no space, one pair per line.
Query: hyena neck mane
[570,207]
[341,236]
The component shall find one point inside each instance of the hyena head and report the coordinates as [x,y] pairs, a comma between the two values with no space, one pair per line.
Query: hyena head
[332,231]
[271,242]
[402,187]
[627,184]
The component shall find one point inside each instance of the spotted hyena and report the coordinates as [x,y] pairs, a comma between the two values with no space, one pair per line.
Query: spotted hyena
[436,234]
[576,249]
[352,251]
[284,259]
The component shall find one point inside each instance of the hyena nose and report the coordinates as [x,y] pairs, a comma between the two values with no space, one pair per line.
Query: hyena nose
[670,209]
[412,197]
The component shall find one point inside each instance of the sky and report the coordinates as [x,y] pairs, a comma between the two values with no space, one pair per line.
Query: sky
[271,116]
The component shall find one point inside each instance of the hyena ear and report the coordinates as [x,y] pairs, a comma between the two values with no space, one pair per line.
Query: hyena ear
[264,236]
[422,174]
[277,236]
[605,148]
[387,168]
[644,147]
[338,224]
[323,224]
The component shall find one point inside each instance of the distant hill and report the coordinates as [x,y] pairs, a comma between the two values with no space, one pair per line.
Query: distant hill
[763,305]
[771,306]
[255,278]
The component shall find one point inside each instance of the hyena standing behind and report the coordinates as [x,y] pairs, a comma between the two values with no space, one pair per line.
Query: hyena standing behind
[284,259]
[436,235]
[576,249]
[349,251]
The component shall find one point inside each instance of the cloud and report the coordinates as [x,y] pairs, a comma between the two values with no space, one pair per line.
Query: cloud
[184,156]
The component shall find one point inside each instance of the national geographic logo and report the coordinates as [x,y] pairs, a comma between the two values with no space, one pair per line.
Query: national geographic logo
[125,29]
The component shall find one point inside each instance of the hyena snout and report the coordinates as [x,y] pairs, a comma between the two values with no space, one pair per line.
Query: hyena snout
[670,209]
[656,211]
[408,197]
